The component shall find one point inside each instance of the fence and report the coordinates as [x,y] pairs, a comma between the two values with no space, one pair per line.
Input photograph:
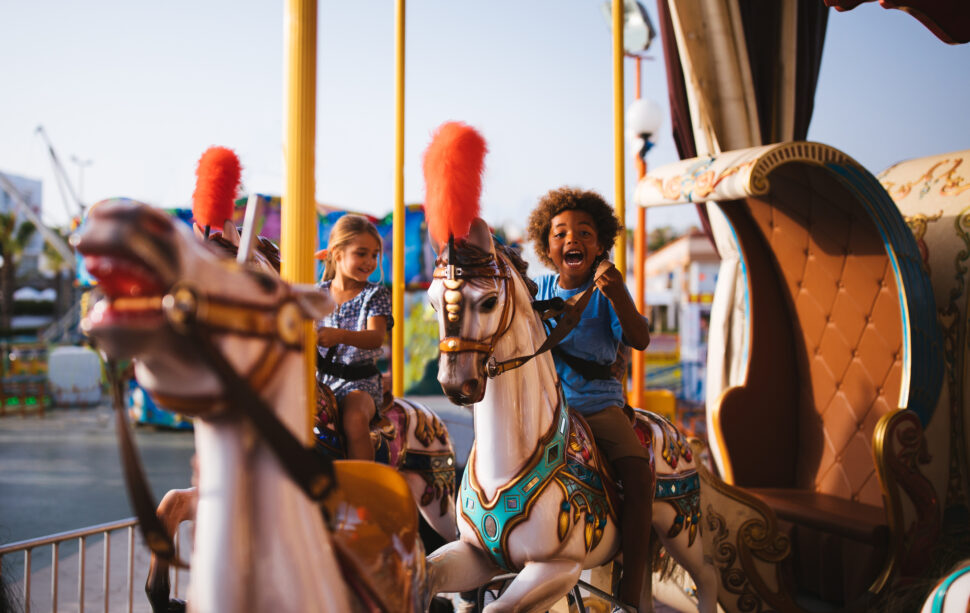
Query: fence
[108,573]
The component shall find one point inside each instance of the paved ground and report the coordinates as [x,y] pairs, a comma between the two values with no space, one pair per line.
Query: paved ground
[62,472]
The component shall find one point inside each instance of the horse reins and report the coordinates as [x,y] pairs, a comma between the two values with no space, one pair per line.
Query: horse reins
[195,319]
[453,277]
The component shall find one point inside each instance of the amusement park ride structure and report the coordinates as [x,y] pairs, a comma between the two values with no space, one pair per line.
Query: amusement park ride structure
[839,343]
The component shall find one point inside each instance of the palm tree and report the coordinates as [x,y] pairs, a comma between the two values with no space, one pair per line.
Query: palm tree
[14,238]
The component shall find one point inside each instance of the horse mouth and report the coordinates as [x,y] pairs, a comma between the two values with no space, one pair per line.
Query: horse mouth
[132,294]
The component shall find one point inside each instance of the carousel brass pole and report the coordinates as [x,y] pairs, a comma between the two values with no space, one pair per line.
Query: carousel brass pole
[619,178]
[298,232]
[397,275]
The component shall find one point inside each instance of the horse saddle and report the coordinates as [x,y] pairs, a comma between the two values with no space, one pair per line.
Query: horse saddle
[328,435]
[374,523]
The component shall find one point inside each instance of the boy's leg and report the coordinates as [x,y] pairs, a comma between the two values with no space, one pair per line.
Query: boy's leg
[356,411]
[635,524]
[615,437]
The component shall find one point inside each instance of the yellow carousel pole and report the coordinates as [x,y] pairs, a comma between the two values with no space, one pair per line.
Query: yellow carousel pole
[619,178]
[397,275]
[298,236]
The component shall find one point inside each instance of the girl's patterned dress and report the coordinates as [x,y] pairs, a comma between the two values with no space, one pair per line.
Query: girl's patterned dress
[372,301]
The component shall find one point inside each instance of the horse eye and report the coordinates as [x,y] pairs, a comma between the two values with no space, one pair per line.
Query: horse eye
[265,281]
[488,304]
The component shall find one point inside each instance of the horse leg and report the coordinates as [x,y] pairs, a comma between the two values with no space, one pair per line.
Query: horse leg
[445,523]
[176,506]
[538,586]
[690,556]
[459,567]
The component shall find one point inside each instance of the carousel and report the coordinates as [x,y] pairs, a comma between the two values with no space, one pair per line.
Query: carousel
[834,477]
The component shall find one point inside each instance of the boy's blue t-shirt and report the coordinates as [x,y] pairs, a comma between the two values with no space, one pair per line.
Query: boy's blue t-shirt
[595,338]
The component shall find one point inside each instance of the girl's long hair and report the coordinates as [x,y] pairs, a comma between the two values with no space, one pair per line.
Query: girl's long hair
[345,230]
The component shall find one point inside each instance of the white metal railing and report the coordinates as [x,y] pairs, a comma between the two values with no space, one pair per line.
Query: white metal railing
[82,535]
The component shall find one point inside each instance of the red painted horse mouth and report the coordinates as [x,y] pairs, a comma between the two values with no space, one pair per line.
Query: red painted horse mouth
[133,293]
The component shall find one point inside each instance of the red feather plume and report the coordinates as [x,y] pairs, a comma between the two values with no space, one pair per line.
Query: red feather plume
[453,165]
[215,187]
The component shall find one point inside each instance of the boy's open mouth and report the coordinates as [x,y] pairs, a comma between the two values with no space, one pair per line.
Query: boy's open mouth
[573,258]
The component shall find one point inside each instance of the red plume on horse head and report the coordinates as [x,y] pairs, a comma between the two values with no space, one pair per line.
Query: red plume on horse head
[216,184]
[453,165]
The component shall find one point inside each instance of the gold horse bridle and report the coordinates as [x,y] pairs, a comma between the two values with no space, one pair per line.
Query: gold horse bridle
[453,278]
[195,318]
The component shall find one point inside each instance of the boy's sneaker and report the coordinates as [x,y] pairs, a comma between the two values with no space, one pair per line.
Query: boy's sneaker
[624,608]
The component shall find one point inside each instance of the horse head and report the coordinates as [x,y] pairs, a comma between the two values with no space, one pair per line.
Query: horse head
[164,289]
[476,297]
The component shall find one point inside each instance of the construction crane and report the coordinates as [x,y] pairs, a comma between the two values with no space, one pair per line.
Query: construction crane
[63,184]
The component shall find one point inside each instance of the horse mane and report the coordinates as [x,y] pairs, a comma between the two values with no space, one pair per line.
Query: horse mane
[473,255]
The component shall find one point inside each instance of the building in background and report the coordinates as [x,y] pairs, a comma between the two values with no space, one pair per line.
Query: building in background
[32,192]
[680,280]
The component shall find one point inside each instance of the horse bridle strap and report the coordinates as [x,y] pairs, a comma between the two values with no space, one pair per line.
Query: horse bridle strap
[453,277]
[571,315]
[157,539]
[312,473]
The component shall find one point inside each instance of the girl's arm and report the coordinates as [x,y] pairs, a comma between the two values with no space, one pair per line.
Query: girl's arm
[371,338]
[635,327]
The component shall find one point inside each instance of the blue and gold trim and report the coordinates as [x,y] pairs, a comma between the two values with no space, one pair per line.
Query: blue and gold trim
[584,497]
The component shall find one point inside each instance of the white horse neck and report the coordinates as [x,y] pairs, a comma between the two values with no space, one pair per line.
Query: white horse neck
[261,544]
[518,406]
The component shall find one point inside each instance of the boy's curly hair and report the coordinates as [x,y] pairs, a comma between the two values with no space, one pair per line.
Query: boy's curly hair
[565,199]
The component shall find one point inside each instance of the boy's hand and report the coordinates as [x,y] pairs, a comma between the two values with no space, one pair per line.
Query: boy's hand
[328,337]
[610,281]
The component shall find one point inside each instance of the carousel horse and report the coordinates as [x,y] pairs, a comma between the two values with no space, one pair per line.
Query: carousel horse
[537,498]
[406,435]
[224,343]
[952,593]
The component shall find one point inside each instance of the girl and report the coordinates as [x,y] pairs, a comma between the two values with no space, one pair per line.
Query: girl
[350,339]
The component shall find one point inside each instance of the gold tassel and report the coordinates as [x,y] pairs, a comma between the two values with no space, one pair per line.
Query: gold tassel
[563,525]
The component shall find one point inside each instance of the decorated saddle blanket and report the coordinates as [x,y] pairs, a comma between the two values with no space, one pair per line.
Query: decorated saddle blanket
[566,458]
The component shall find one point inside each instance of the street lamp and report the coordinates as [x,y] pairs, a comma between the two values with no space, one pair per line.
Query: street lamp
[643,120]
[638,30]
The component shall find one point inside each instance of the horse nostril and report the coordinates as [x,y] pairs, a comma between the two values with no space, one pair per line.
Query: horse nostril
[469,388]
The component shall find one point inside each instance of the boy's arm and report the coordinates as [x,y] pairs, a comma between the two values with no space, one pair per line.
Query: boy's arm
[635,327]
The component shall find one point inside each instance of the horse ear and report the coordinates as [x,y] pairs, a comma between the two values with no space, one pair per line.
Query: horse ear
[480,236]
[230,232]
[314,302]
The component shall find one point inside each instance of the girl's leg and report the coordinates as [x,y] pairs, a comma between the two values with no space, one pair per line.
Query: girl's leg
[356,411]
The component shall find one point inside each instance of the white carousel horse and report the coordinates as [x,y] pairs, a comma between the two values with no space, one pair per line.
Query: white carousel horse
[951,594]
[533,498]
[193,320]
[407,436]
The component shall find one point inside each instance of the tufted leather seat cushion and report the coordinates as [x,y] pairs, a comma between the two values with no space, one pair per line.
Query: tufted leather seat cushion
[824,367]
[842,295]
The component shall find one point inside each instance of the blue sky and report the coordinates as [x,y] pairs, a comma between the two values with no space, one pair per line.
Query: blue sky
[141,89]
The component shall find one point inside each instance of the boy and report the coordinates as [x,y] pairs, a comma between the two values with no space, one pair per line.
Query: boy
[572,231]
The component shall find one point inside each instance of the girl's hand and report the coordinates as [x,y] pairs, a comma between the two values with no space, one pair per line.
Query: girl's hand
[328,337]
[611,282]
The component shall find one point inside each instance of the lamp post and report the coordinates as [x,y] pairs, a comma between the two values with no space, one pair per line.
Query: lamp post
[643,119]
